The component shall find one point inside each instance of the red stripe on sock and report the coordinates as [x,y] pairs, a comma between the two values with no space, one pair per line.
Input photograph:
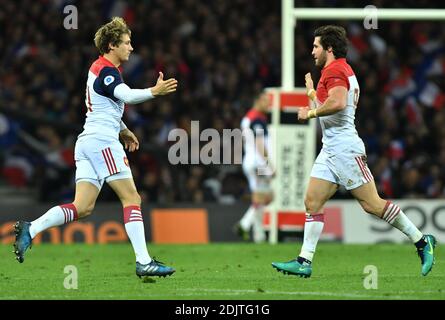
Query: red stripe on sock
[128,213]
[394,214]
[315,217]
[64,214]
[318,217]
[391,209]
[385,208]
[66,208]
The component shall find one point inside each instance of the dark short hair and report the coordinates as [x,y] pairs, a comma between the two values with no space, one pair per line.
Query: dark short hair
[334,37]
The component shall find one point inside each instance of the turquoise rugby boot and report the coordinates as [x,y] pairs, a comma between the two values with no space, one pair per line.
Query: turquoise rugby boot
[23,240]
[293,267]
[154,268]
[426,254]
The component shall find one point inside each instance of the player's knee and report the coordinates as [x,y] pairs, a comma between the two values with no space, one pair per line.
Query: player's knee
[262,198]
[312,205]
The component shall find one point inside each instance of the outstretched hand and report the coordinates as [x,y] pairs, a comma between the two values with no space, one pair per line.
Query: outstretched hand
[164,87]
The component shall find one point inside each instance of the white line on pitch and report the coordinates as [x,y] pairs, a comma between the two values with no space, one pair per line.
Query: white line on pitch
[300,293]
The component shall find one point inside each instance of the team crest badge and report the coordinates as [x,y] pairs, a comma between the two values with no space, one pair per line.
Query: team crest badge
[108,80]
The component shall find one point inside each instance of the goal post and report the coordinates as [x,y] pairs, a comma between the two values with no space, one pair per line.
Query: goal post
[293,149]
[289,18]
[290,15]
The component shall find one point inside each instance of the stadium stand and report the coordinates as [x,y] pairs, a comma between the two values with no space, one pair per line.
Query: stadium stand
[221,52]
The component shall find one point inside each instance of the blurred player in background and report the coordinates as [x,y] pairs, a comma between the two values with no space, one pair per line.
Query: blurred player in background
[99,155]
[256,167]
[342,160]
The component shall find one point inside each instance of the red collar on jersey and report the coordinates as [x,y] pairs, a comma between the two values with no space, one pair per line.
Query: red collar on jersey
[108,63]
[100,63]
[255,114]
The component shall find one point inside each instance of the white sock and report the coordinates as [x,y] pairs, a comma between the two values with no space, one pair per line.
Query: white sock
[55,216]
[247,220]
[312,232]
[395,216]
[134,226]
[258,229]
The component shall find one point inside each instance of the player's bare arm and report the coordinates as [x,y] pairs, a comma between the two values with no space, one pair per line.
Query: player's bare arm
[164,87]
[336,101]
[129,139]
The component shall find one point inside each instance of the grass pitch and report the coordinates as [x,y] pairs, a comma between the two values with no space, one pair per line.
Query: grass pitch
[220,271]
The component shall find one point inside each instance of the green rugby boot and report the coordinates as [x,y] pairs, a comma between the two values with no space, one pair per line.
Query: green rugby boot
[426,254]
[294,267]
[239,231]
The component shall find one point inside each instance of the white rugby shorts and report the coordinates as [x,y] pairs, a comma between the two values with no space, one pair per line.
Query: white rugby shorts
[99,160]
[347,168]
[257,183]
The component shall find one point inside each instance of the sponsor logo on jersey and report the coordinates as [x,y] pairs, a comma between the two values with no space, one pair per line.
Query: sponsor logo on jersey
[108,80]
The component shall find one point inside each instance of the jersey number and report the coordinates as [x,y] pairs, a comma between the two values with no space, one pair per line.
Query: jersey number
[356,96]
[88,100]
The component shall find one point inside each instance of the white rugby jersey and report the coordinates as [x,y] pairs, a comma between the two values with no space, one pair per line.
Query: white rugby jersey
[105,98]
[339,129]
[256,122]
[104,110]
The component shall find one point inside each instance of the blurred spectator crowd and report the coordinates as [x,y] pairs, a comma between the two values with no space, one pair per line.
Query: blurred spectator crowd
[221,52]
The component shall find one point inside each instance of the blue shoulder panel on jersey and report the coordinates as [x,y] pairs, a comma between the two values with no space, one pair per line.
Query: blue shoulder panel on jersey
[107,80]
[256,125]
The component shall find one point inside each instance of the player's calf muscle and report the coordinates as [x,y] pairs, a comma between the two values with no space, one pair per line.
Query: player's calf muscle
[131,199]
[374,207]
[83,210]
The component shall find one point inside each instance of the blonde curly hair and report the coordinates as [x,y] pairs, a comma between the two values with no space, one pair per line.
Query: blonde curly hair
[110,33]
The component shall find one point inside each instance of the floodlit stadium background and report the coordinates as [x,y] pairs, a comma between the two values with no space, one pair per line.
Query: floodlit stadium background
[221,52]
